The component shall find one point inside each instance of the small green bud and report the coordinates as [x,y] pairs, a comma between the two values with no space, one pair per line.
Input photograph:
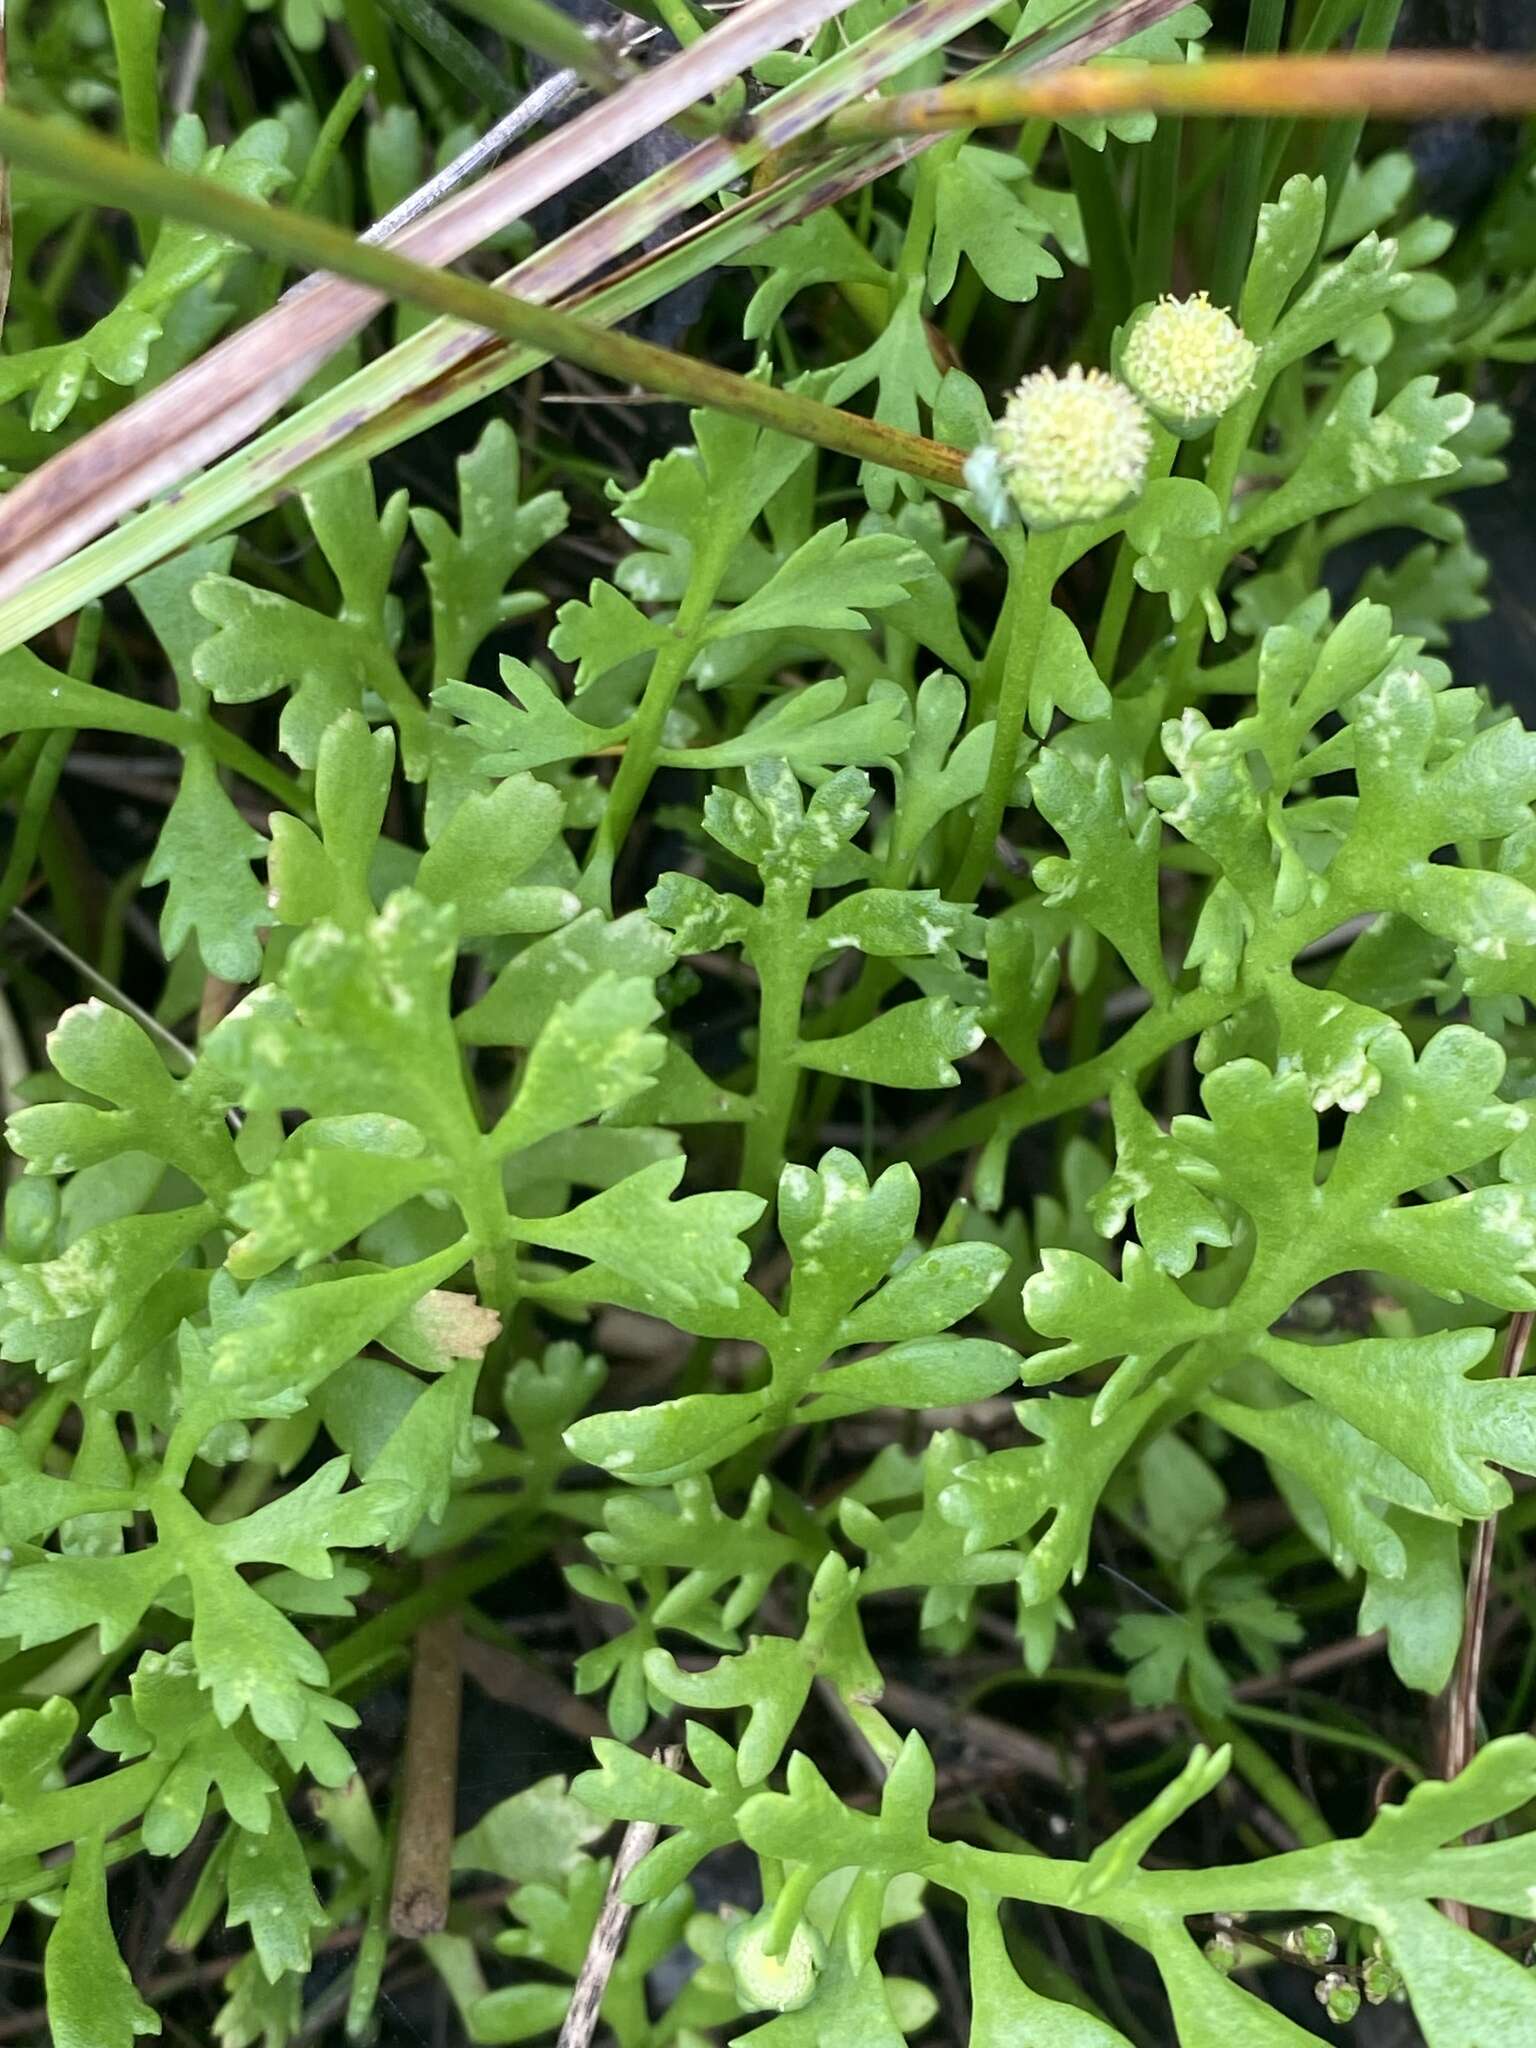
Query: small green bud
[1224,1952]
[766,1983]
[1317,1942]
[1188,362]
[1379,1976]
[1338,1997]
[1071,448]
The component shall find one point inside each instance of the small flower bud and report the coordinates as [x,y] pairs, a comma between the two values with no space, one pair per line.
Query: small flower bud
[1224,1952]
[1379,1977]
[1317,1942]
[1071,448]
[767,1983]
[1188,362]
[1338,1997]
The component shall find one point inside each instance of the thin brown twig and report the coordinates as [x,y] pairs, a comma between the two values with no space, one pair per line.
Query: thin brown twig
[1025,1753]
[1461,1726]
[1162,1720]
[517,1681]
[1314,1664]
[1459,1740]
[638,1840]
[1218,1923]
[1405,83]
[423,1875]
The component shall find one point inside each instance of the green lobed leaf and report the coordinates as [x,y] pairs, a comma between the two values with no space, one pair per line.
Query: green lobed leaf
[91,1999]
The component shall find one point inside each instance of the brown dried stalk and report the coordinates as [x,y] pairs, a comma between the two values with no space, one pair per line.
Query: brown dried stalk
[423,1873]
[81,492]
[1458,1743]
[638,1840]
[1460,1740]
[100,168]
[1406,84]
[237,386]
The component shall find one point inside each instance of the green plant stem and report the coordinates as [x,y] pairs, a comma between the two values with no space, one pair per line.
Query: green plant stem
[329,140]
[1265,1777]
[84,163]
[207,1897]
[20,760]
[643,745]
[679,17]
[778,952]
[1146,1042]
[789,1906]
[373,45]
[373,1944]
[1244,188]
[1157,205]
[1027,613]
[65,261]
[408,712]
[1341,139]
[135,26]
[1322,32]
[546,31]
[48,765]
[1325,1731]
[1104,224]
[70,1673]
[383,1636]
[1114,614]
[453,51]
[232,752]
[36,803]
[989,674]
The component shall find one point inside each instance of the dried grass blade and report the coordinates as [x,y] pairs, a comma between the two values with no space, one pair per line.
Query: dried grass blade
[447,367]
[6,243]
[1407,85]
[101,168]
[481,367]
[214,403]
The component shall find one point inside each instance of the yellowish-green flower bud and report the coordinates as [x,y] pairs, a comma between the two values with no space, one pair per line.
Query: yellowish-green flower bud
[768,1983]
[1338,1997]
[1071,448]
[1188,362]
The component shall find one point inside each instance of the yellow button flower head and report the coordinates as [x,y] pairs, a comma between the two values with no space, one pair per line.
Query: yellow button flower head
[1188,361]
[1071,448]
